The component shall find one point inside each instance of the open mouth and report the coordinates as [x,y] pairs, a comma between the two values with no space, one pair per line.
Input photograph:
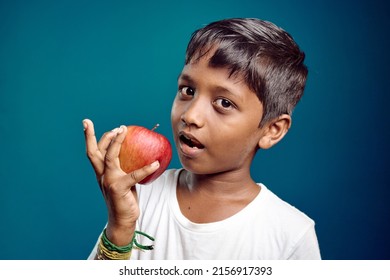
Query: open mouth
[190,142]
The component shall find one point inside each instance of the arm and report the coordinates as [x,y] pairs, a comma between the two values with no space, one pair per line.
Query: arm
[116,186]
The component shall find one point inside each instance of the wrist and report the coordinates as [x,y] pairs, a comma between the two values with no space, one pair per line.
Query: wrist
[120,235]
[109,251]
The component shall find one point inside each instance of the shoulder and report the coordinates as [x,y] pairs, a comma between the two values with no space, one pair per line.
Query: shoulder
[291,225]
[284,220]
[282,210]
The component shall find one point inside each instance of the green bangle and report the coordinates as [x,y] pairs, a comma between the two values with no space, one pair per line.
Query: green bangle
[125,249]
[112,247]
[140,246]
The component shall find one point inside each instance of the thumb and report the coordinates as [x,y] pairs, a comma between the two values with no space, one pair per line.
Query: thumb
[138,175]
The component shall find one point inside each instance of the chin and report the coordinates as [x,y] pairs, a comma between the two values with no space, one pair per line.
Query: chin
[195,168]
[201,169]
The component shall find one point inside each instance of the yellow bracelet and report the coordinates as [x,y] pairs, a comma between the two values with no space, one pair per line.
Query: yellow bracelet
[105,254]
[109,251]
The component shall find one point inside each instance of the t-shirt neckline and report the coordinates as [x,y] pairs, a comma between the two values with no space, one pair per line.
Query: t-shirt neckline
[214,226]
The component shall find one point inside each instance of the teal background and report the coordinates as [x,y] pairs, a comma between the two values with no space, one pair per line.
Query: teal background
[116,62]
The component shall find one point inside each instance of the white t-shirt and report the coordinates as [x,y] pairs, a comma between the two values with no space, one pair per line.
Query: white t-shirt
[267,228]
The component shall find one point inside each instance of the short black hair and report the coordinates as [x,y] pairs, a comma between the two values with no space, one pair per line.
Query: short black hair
[264,54]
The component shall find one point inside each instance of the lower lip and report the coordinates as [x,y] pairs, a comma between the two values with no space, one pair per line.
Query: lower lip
[189,152]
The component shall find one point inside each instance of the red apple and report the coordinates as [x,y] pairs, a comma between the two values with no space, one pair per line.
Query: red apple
[143,146]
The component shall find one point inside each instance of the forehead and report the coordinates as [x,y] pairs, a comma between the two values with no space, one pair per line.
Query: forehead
[201,71]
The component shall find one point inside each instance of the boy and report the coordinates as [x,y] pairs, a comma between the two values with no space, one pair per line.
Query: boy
[236,92]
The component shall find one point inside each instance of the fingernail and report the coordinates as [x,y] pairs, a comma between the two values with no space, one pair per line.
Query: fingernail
[115,130]
[85,125]
[155,164]
[121,128]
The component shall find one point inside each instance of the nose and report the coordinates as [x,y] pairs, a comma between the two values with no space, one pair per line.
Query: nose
[195,113]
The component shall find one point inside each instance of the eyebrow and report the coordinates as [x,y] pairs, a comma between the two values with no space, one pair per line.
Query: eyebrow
[185,77]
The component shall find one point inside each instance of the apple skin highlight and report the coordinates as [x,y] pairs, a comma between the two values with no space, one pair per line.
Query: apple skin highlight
[142,147]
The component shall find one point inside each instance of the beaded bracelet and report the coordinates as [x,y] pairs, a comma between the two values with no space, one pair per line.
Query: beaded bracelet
[109,251]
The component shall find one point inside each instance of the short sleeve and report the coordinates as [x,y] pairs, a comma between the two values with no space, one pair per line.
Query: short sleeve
[307,248]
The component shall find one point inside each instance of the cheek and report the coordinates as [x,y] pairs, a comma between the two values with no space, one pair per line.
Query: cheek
[243,140]
[175,112]
[238,143]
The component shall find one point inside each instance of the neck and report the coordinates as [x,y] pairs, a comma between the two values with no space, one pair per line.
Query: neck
[227,184]
[211,198]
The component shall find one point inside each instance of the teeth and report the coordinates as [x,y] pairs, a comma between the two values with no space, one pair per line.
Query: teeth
[187,141]
[190,142]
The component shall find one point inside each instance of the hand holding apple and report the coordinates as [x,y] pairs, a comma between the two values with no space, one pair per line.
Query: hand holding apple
[122,206]
[141,147]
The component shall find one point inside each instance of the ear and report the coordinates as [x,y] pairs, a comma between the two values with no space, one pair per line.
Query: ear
[274,131]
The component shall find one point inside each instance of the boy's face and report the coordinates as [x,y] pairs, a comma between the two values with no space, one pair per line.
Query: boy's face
[215,120]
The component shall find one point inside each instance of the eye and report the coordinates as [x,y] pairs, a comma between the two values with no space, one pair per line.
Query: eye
[224,104]
[186,91]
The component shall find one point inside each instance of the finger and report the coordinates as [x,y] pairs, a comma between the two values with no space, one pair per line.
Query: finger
[138,175]
[90,138]
[93,152]
[112,154]
[105,141]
